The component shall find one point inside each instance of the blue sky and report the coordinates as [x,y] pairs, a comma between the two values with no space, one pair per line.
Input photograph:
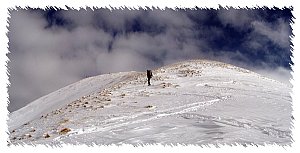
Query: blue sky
[50,49]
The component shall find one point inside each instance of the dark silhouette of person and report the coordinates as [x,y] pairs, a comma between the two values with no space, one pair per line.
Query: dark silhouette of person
[149,76]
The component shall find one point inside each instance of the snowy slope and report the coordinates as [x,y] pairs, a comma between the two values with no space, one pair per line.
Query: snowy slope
[62,97]
[192,102]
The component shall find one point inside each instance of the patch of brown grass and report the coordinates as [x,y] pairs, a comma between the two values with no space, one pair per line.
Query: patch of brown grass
[64,131]
[46,135]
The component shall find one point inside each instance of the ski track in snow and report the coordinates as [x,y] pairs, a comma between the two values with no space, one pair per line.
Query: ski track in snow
[144,115]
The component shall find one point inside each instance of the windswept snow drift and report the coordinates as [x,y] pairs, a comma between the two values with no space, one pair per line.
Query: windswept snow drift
[192,102]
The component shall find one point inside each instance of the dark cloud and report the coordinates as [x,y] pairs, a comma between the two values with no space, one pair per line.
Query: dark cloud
[51,48]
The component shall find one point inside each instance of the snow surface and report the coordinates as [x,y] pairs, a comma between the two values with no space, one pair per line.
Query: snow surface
[192,102]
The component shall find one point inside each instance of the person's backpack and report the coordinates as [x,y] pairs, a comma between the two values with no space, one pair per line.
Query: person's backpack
[149,73]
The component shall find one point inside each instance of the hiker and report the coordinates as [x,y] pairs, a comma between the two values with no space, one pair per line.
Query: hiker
[149,76]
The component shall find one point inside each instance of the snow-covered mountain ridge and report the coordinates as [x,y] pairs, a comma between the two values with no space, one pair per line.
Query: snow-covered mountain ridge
[191,102]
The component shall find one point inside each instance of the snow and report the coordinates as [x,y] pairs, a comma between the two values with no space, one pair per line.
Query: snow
[61,97]
[192,102]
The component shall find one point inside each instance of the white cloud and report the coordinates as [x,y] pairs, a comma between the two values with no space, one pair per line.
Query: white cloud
[43,60]
[278,33]
[239,18]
